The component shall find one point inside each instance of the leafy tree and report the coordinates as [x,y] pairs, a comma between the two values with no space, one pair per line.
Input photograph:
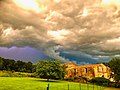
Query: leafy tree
[12,65]
[6,64]
[1,63]
[114,64]
[50,69]
[20,66]
[34,68]
[28,66]
[100,81]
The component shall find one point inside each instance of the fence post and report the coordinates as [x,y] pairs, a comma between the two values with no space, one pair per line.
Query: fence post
[68,86]
[48,87]
[87,86]
[97,87]
[80,86]
[102,87]
[93,86]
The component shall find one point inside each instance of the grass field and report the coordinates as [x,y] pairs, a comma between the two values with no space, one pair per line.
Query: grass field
[15,74]
[17,83]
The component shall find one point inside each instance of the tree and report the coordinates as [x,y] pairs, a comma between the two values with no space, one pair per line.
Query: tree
[114,64]
[100,81]
[1,63]
[29,67]
[18,66]
[50,69]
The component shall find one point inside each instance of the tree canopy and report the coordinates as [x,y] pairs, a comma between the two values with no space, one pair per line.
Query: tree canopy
[50,69]
[12,65]
[114,64]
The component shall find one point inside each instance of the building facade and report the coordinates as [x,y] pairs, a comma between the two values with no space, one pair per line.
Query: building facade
[88,71]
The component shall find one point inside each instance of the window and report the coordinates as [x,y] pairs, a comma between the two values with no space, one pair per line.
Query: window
[85,70]
[100,69]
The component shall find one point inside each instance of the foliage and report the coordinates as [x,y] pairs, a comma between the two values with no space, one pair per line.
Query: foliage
[77,79]
[69,79]
[115,84]
[1,63]
[85,79]
[100,81]
[114,64]
[50,69]
[18,66]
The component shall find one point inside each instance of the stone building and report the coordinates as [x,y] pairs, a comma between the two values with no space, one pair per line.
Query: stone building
[89,71]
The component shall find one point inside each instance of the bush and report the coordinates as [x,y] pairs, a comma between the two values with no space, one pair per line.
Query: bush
[100,81]
[115,84]
[69,79]
[76,77]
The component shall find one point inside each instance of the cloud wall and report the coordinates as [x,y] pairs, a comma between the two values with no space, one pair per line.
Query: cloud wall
[91,27]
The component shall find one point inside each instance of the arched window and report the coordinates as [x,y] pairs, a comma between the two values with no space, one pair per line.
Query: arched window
[100,69]
[85,70]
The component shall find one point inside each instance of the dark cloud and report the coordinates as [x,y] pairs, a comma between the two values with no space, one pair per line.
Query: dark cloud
[24,53]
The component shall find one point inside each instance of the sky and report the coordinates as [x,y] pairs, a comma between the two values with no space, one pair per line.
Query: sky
[82,31]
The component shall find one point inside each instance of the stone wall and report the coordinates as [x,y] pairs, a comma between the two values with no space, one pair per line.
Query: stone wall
[88,71]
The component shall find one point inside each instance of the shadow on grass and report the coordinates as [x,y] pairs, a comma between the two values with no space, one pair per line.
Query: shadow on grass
[45,80]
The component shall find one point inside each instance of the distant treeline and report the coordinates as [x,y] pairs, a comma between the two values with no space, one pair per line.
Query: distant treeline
[17,66]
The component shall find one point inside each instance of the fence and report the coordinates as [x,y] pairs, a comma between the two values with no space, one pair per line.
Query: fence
[74,87]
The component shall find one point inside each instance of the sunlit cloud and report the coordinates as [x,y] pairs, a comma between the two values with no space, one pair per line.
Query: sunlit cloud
[59,36]
[85,12]
[27,4]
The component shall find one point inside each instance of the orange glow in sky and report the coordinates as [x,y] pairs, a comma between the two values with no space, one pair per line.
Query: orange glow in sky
[30,5]
[111,3]
[59,34]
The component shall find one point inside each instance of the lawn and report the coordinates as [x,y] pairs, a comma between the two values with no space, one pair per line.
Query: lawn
[20,83]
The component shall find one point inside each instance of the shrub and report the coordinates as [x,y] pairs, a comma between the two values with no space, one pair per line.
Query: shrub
[115,84]
[76,77]
[69,79]
[100,81]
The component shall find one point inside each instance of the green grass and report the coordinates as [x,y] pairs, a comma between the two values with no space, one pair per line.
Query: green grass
[15,74]
[20,83]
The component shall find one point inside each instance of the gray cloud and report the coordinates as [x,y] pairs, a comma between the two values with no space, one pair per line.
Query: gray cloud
[89,27]
[52,51]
